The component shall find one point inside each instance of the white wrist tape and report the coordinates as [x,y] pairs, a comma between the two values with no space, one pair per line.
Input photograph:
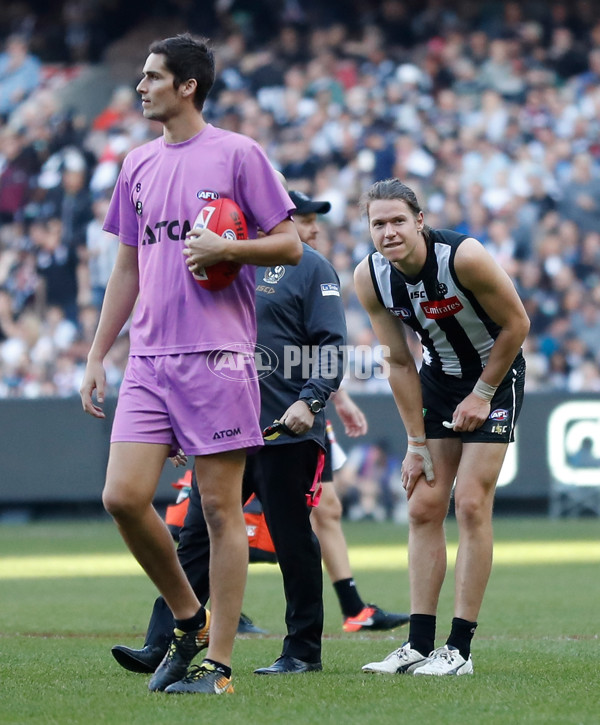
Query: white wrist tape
[485,391]
[416,439]
[423,451]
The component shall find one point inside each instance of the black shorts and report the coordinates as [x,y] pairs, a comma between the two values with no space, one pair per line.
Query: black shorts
[442,393]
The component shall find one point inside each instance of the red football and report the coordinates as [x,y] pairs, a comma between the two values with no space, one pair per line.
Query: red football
[225,218]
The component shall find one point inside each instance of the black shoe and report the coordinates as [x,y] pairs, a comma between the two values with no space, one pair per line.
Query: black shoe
[204,678]
[183,648]
[374,618]
[247,626]
[144,660]
[286,665]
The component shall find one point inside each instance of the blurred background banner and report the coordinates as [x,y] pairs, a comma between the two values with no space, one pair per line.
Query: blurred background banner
[53,455]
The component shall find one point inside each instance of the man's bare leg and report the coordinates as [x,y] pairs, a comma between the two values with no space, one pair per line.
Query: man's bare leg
[219,479]
[131,480]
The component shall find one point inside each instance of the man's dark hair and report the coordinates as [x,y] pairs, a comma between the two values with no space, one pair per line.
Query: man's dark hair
[187,57]
[390,189]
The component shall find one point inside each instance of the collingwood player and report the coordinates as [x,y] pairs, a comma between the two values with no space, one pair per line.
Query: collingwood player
[459,411]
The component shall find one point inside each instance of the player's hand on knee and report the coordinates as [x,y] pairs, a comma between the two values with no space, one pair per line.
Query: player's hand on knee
[417,464]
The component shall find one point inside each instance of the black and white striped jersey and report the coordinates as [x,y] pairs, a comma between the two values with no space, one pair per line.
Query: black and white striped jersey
[456,333]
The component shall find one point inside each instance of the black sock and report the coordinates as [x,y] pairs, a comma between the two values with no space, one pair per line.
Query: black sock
[421,633]
[218,666]
[196,622]
[350,602]
[461,635]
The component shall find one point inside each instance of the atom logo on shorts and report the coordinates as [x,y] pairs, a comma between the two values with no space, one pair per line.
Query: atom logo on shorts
[241,361]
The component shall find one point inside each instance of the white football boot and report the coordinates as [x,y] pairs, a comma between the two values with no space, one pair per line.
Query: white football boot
[446,660]
[403,660]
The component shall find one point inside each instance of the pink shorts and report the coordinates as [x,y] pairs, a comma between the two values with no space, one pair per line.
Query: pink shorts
[180,401]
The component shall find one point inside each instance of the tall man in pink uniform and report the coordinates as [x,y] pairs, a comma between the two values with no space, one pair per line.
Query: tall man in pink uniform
[170,396]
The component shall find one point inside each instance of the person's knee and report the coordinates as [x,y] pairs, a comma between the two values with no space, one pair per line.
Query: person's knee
[220,514]
[118,505]
[122,501]
[426,513]
[472,511]
[329,509]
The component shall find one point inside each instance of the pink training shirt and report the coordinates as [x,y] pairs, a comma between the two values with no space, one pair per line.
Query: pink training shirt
[159,192]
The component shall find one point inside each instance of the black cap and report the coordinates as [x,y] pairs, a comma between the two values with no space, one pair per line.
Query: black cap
[305,205]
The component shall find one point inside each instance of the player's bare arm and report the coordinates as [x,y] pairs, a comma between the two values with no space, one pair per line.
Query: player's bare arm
[121,293]
[281,245]
[495,292]
[403,379]
[355,423]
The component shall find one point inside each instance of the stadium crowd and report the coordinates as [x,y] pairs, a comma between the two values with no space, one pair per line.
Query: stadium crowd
[490,111]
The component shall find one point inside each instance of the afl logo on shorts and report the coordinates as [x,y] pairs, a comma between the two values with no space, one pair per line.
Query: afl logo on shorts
[499,414]
[402,312]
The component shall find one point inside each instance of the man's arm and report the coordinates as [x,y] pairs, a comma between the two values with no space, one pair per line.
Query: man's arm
[403,377]
[495,292]
[121,293]
[355,423]
[324,321]
[281,245]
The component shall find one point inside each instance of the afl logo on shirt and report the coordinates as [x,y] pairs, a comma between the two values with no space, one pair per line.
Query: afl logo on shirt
[139,208]
[206,195]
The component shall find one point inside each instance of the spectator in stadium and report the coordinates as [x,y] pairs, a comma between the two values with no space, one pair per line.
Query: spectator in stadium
[295,310]
[100,253]
[14,179]
[370,481]
[459,413]
[57,266]
[19,73]
[160,181]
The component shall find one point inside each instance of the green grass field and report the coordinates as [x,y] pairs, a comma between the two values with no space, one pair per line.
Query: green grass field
[70,590]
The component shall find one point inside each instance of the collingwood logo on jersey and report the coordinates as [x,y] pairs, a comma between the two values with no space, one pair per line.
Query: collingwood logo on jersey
[273,275]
